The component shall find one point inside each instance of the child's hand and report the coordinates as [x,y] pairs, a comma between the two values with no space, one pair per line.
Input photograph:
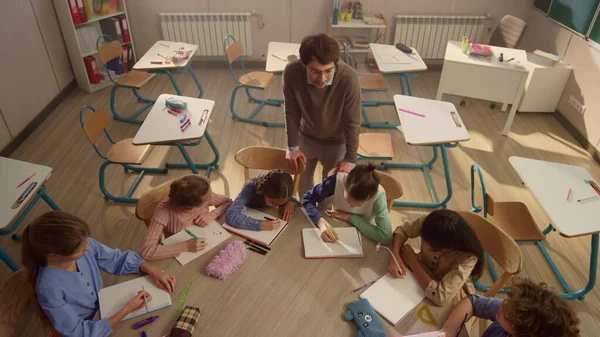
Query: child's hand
[326,235]
[393,268]
[137,302]
[344,216]
[194,245]
[269,225]
[409,256]
[443,333]
[204,219]
[287,211]
[164,280]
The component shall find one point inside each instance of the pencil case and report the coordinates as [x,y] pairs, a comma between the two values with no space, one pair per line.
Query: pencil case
[175,103]
[227,261]
[186,323]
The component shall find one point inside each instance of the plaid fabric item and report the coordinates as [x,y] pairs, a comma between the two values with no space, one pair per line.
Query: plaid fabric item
[184,327]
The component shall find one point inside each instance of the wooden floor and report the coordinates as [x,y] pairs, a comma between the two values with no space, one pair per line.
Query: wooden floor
[60,143]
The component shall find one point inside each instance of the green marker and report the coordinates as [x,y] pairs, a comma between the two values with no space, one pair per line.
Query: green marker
[192,234]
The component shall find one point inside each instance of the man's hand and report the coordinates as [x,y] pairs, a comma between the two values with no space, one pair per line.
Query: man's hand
[345,167]
[293,156]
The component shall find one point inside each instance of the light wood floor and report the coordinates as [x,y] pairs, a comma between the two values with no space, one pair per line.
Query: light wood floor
[59,142]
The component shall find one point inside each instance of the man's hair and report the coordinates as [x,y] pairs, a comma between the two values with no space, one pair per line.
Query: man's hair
[534,311]
[322,47]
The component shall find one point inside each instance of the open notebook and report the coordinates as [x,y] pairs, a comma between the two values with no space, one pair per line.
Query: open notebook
[349,244]
[213,235]
[113,298]
[264,237]
[393,297]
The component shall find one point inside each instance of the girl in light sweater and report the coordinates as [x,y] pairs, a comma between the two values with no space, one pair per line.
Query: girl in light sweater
[189,200]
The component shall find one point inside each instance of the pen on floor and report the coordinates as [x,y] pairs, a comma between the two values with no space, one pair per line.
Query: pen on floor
[145,301]
[258,244]
[250,244]
[462,325]
[262,252]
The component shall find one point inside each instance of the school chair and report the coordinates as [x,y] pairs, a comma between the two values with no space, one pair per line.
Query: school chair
[369,83]
[508,33]
[134,80]
[515,219]
[500,247]
[15,293]
[268,158]
[391,186]
[122,152]
[256,80]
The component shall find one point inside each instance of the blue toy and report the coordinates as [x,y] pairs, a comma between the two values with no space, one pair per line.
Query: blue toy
[365,317]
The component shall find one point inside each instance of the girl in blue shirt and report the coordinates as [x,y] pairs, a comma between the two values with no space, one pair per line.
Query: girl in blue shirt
[64,266]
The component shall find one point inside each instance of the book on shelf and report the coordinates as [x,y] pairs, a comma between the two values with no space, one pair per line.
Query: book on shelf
[359,42]
[374,19]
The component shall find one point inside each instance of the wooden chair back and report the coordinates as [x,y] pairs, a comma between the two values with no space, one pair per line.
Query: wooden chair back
[15,293]
[144,209]
[95,124]
[234,51]
[268,158]
[110,50]
[393,189]
[508,32]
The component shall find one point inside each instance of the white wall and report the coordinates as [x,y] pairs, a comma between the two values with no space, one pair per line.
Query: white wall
[291,20]
[584,83]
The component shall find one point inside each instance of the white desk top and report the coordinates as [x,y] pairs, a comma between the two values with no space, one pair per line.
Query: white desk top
[160,127]
[437,127]
[275,64]
[13,173]
[549,183]
[455,54]
[385,49]
[166,49]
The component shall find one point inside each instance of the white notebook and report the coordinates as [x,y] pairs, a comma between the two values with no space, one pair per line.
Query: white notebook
[113,298]
[349,244]
[394,297]
[283,54]
[213,235]
[263,237]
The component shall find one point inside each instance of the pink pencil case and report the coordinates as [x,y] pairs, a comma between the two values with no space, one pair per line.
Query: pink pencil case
[482,50]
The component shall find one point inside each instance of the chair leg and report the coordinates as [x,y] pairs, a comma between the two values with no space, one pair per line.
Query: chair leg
[127,198]
[261,103]
[130,119]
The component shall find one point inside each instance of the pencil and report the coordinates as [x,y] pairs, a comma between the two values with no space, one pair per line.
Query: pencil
[588,198]
[145,301]
[26,180]
[250,244]
[258,244]
[330,230]
[462,325]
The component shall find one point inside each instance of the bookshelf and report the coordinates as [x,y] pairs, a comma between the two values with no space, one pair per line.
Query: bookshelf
[80,40]
[354,25]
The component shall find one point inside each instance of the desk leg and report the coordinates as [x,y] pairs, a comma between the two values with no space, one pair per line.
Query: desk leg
[515,105]
[504,106]
[189,69]
[592,275]
[190,163]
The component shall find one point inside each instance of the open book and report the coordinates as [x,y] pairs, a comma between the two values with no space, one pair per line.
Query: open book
[213,235]
[113,298]
[263,237]
[349,244]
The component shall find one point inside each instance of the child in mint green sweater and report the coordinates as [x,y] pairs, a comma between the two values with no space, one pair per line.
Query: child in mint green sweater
[357,198]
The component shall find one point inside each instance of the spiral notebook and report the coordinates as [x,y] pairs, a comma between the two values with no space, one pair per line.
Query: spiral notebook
[263,237]
[213,235]
[113,298]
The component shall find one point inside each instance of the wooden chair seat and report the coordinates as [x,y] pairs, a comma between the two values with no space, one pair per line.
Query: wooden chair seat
[14,293]
[258,79]
[372,81]
[375,145]
[135,79]
[124,152]
[516,220]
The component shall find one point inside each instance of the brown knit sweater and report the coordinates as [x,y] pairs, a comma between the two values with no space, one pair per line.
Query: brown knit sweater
[330,114]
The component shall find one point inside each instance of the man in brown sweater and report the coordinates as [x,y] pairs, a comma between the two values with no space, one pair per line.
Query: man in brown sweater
[322,109]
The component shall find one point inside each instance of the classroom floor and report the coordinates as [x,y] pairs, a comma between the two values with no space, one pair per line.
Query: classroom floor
[60,143]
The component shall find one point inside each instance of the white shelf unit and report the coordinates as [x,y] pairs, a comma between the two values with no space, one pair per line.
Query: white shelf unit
[75,47]
[354,24]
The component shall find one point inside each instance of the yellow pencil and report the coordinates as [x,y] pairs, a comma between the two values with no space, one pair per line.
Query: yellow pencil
[331,232]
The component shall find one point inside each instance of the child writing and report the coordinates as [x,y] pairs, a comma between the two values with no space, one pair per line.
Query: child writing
[272,189]
[530,310]
[451,256]
[64,266]
[357,198]
[189,200]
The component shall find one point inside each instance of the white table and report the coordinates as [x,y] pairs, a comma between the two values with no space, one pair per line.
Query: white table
[13,173]
[413,65]
[276,64]
[493,81]
[169,49]
[549,183]
[162,128]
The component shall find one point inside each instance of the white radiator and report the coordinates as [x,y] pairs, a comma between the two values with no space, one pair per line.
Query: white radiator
[429,34]
[207,30]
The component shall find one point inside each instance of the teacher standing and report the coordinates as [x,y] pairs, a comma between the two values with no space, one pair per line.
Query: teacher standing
[322,109]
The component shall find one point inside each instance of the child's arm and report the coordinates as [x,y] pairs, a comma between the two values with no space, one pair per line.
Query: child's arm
[318,194]
[152,250]
[383,231]
[221,203]
[474,305]
[442,292]
[234,216]
[114,261]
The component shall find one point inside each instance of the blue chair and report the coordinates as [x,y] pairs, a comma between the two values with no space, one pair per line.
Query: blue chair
[123,152]
[256,80]
[110,55]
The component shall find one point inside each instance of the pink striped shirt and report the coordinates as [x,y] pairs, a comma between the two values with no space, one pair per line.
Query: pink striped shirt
[169,220]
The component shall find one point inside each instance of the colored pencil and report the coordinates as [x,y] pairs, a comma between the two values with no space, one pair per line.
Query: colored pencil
[26,180]
[588,198]
[412,112]
[192,234]
[568,194]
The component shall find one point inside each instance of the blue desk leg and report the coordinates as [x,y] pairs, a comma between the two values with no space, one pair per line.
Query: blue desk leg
[41,194]
[189,163]
[189,69]
[592,275]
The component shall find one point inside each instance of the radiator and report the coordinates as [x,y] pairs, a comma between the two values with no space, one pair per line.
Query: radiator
[429,34]
[207,30]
